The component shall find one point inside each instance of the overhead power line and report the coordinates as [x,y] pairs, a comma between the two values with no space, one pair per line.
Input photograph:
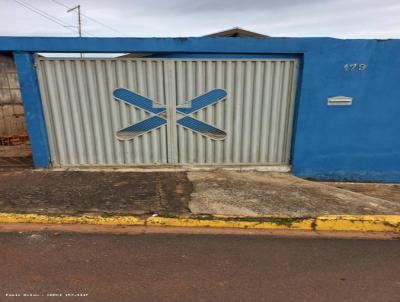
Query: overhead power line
[48,16]
[90,18]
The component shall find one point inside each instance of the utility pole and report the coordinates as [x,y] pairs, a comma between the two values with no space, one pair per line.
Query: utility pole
[78,7]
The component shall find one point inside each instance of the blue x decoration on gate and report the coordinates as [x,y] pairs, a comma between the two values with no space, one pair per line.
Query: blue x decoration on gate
[159,114]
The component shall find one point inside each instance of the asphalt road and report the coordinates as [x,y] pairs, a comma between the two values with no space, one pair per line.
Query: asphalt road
[183,267]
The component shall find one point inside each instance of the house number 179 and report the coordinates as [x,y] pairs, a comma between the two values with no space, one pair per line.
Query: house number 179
[355,67]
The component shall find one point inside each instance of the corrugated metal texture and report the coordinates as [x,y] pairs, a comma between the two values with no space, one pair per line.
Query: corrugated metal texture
[257,113]
[82,116]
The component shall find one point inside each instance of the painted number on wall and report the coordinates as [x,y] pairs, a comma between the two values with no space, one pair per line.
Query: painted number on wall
[355,67]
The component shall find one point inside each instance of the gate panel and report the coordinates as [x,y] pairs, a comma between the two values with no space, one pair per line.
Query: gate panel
[203,111]
[83,117]
[256,114]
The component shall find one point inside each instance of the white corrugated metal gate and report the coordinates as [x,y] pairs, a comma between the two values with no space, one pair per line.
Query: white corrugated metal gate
[168,111]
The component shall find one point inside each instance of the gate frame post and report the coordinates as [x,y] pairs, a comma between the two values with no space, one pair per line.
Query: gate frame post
[29,87]
[170,99]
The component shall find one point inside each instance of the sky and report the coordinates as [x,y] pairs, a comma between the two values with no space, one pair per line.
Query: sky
[180,18]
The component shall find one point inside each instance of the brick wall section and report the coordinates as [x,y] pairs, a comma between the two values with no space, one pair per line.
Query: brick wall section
[14,140]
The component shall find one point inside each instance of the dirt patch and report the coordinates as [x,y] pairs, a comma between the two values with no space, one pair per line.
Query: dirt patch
[11,163]
[132,193]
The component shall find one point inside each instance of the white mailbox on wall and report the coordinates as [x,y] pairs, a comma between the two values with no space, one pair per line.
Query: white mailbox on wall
[340,101]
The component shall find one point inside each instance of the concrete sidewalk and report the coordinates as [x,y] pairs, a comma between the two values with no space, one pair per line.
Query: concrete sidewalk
[219,192]
[261,194]
[105,193]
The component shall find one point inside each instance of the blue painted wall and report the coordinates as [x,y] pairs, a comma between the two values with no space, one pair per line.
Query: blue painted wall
[33,109]
[359,142]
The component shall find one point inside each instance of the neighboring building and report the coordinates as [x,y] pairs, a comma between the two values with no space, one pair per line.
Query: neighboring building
[237,32]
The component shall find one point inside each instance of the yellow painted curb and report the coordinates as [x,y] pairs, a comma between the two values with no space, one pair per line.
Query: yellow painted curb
[377,223]
[66,219]
[272,222]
